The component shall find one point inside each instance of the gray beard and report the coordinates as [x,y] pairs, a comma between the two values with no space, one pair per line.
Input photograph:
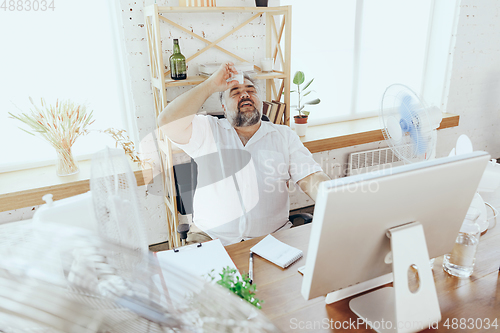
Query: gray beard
[244,119]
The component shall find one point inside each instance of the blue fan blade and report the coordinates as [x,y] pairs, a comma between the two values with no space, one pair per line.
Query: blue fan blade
[407,125]
[418,140]
[405,107]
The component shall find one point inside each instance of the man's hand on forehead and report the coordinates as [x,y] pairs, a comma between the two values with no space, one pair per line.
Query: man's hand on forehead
[230,67]
[218,80]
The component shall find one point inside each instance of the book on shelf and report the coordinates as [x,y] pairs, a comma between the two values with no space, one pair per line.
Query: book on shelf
[281,111]
[272,112]
[266,106]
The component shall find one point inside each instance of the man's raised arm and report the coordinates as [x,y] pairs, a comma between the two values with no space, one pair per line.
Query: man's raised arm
[175,120]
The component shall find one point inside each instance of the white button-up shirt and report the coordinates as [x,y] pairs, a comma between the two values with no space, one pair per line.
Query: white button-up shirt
[242,190]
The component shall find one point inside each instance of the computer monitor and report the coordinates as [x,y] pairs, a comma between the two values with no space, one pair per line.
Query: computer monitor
[353,217]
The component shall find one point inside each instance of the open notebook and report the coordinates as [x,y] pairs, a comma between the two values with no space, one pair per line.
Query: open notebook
[277,252]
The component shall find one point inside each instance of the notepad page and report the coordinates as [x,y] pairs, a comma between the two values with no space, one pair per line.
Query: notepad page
[185,266]
[277,252]
[198,261]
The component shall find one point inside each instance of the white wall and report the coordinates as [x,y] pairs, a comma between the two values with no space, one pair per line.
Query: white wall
[475,81]
[473,94]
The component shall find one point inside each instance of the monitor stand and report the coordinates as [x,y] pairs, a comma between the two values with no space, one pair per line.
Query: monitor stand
[397,309]
[358,288]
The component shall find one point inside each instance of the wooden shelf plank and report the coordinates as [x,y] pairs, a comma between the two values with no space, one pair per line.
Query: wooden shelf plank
[270,75]
[274,10]
[25,188]
[354,132]
[189,81]
[197,79]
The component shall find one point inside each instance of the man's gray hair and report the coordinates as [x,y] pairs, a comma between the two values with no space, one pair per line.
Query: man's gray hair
[245,76]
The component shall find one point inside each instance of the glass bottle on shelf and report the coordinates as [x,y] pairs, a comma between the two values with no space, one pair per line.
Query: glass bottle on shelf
[460,262]
[177,63]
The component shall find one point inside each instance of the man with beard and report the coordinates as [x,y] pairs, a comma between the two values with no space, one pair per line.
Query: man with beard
[244,164]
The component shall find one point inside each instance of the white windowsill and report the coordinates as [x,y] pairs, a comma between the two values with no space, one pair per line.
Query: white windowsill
[24,188]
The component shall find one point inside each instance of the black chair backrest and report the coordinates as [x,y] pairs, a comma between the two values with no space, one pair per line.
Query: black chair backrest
[222,116]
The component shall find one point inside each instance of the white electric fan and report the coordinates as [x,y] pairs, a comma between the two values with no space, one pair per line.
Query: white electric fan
[83,265]
[408,125]
[410,128]
[110,209]
[57,278]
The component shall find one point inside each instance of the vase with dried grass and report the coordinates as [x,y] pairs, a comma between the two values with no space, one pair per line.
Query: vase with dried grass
[60,124]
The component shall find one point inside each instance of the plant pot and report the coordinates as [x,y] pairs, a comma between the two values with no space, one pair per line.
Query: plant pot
[261,3]
[300,125]
[300,129]
[300,119]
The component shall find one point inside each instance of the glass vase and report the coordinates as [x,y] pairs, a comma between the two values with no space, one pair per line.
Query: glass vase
[66,164]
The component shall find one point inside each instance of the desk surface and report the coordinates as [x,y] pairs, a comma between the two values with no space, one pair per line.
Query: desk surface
[475,297]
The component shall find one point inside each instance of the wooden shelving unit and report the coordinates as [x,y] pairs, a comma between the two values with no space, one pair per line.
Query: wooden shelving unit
[197,79]
[276,36]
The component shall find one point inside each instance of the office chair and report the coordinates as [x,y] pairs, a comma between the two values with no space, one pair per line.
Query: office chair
[222,116]
[300,219]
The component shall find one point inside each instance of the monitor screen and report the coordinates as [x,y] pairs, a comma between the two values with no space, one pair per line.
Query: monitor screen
[348,243]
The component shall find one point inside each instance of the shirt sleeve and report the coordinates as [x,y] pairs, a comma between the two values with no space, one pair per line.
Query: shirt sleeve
[201,128]
[302,163]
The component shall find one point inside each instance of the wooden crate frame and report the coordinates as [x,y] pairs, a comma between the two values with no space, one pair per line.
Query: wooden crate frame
[160,80]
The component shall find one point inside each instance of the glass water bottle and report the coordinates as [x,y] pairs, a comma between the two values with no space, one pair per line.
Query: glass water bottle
[177,63]
[460,262]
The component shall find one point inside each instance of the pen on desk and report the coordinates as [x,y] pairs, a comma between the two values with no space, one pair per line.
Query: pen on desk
[250,268]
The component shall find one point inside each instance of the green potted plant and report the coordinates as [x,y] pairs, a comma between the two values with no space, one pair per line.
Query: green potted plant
[301,118]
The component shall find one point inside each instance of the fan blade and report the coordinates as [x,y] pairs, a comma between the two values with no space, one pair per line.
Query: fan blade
[407,123]
[393,128]
[405,110]
[418,140]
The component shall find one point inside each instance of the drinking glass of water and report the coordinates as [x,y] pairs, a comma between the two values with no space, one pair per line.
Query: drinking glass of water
[460,262]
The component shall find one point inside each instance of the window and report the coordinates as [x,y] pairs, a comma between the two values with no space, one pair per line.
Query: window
[356,49]
[68,52]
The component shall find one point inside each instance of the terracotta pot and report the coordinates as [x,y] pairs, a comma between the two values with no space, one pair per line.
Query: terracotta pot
[300,119]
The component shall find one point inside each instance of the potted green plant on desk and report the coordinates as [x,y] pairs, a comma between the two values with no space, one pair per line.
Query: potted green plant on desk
[301,118]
